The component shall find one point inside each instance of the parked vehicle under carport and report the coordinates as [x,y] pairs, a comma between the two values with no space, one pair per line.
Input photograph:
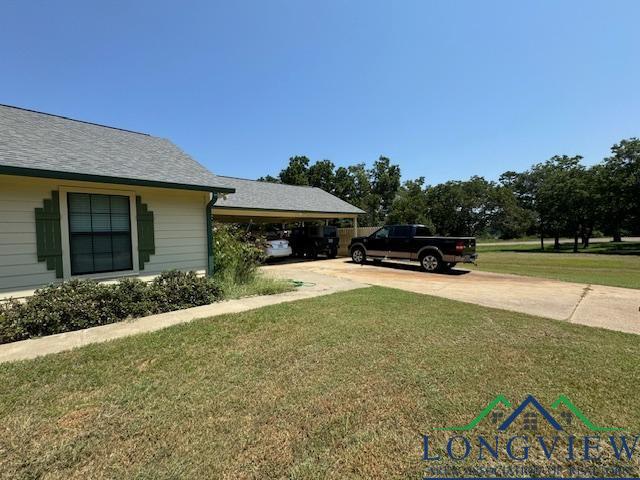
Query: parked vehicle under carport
[310,241]
[276,246]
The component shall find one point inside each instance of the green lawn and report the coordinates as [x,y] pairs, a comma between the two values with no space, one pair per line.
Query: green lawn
[615,264]
[341,386]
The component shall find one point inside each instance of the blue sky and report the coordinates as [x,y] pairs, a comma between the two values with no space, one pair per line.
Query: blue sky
[446,89]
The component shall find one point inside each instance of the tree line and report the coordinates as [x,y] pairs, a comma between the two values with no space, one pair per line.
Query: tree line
[555,198]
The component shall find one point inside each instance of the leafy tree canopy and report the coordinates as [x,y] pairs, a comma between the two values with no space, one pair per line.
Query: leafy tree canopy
[556,197]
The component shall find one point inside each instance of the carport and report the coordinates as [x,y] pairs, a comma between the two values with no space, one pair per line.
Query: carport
[265,202]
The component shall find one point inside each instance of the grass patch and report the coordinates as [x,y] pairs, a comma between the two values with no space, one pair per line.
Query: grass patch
[613,264]
[341,386]
[259,285]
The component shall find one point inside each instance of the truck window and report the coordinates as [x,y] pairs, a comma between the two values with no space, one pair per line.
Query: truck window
[422,232]
[382,233]
[401,231]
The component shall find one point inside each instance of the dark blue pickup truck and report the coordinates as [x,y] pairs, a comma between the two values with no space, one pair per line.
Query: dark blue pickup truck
[415,243]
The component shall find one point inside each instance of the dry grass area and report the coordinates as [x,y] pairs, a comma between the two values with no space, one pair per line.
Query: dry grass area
[341,386]
[259,285]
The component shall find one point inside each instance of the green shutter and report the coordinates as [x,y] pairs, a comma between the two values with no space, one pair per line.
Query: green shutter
[48,234]
[146,238]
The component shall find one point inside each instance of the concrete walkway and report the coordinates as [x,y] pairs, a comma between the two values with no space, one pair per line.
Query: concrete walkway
[594,305]
[314,285]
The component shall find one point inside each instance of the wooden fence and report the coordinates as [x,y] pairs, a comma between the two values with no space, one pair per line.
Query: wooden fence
[346,234]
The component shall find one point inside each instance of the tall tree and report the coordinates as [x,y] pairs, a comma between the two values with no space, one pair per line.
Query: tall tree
[410,204]
[345,186]
[559,194]
[385,182]
[297,172]
[524,189]
[321,174]
[445,204]
[590,211]
[477,207]
[619,187]
[509,219]
[363,195]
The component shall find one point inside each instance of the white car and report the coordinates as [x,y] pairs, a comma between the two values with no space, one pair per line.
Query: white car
[278,248]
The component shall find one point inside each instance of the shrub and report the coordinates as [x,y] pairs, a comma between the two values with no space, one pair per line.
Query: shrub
[237,254]
[11,328]
[175,290]
[132,298]
[65,306]
[81,304]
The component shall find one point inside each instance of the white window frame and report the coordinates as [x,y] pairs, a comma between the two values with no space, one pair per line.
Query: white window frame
[65,237]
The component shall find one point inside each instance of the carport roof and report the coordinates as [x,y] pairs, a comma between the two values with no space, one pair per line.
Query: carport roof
[277,197]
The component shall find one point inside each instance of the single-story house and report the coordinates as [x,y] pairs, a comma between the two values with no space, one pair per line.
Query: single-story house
[82,200]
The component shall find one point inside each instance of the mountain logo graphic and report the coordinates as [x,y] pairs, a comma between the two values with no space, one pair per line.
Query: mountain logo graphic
[531,401]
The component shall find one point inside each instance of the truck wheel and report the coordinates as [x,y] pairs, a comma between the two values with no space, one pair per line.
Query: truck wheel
[358,256]
[431,262]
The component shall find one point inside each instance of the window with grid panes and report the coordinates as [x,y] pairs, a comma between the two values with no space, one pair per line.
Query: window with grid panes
[99,233]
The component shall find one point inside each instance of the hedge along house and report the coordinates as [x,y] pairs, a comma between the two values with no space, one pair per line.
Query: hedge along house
[81,200]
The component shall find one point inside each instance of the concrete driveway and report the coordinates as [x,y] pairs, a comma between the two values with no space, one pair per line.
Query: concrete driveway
[594,305]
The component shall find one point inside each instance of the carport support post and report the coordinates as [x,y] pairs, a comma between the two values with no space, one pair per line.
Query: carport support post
[355,226]
[209,214]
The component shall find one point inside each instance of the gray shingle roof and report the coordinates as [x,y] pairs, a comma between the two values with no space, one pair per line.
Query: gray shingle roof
[41,144]
[50,145]
[252,194]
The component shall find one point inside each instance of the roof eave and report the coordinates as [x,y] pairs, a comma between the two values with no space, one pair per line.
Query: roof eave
[85,177]
[324,212]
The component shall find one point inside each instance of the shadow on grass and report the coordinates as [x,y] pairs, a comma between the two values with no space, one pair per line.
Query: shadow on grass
[611,248]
